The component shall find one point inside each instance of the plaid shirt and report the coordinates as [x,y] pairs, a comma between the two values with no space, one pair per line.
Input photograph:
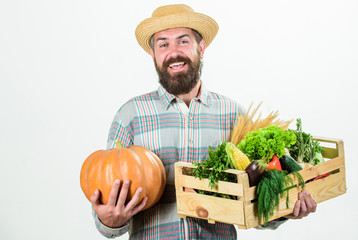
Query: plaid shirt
[165,125]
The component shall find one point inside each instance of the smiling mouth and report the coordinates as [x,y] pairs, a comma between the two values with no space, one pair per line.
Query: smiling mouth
[177,65]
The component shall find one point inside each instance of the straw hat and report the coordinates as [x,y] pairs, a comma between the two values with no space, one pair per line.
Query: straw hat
[172,16]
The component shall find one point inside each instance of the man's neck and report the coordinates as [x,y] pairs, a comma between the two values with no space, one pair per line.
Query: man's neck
[186,98]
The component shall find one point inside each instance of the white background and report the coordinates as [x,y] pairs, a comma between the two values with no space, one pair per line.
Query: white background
[67,66]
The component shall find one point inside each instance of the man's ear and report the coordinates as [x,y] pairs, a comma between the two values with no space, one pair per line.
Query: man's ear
[202,48]
[152,53]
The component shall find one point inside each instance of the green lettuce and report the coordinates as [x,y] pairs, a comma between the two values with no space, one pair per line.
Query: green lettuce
[266,142]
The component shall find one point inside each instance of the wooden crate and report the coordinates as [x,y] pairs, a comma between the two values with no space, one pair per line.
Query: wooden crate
[243,211]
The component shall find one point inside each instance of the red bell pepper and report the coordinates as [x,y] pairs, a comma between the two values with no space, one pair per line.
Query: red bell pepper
[274,163]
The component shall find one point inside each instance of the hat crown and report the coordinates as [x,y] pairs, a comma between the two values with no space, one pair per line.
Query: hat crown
[171,9]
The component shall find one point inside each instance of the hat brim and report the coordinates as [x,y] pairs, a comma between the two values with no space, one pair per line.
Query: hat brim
[202,23]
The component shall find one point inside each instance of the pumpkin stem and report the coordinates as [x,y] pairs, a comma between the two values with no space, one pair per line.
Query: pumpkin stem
[118,144]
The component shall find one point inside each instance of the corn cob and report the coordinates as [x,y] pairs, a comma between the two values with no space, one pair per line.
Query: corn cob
[238,159]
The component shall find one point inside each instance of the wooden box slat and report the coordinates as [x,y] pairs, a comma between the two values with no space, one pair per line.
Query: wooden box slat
[221,187]
[201,206]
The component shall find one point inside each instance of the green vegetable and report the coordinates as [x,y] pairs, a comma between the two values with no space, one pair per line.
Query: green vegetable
[305,149]
[213,167]
[270,190]
[214,194]
[273,186]
[318,158]
[289,164]
[266,142]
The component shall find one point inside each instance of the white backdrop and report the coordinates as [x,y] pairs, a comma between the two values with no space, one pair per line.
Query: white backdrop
[67,66]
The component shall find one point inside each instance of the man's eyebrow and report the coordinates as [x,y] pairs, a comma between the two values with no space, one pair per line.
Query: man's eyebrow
[182,36]
[164,38]
[161,39]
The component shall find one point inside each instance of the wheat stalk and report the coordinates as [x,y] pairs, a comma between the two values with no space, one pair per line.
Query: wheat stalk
[245,124]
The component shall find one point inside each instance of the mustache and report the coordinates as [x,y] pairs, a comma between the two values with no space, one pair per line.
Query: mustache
[176,59]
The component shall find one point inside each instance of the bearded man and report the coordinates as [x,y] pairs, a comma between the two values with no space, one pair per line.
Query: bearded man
[178,122]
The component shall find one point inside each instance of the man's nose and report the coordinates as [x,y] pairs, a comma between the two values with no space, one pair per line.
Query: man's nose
[174,51]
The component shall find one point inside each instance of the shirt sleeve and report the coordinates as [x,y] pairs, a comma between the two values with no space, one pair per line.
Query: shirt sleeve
[107,231]
[272,225]
[121,128]
[240,109]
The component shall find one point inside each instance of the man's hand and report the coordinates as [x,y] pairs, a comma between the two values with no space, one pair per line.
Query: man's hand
[304,206]
[116,213]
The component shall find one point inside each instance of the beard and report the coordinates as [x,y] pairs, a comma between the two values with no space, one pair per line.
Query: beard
[183,82]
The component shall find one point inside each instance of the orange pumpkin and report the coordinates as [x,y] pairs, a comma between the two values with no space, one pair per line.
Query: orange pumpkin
[136,163]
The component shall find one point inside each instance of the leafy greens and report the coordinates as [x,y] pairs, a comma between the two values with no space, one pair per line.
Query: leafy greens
[266,142]
[214,166]
[305,149]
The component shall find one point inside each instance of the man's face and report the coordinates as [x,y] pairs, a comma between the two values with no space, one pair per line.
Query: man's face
[177,58]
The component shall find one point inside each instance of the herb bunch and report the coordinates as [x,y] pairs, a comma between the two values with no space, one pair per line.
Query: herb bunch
[273,186]
[214,166]
[305,149]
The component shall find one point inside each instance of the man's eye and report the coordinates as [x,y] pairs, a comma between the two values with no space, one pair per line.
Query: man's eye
[163,45]
[183,41]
